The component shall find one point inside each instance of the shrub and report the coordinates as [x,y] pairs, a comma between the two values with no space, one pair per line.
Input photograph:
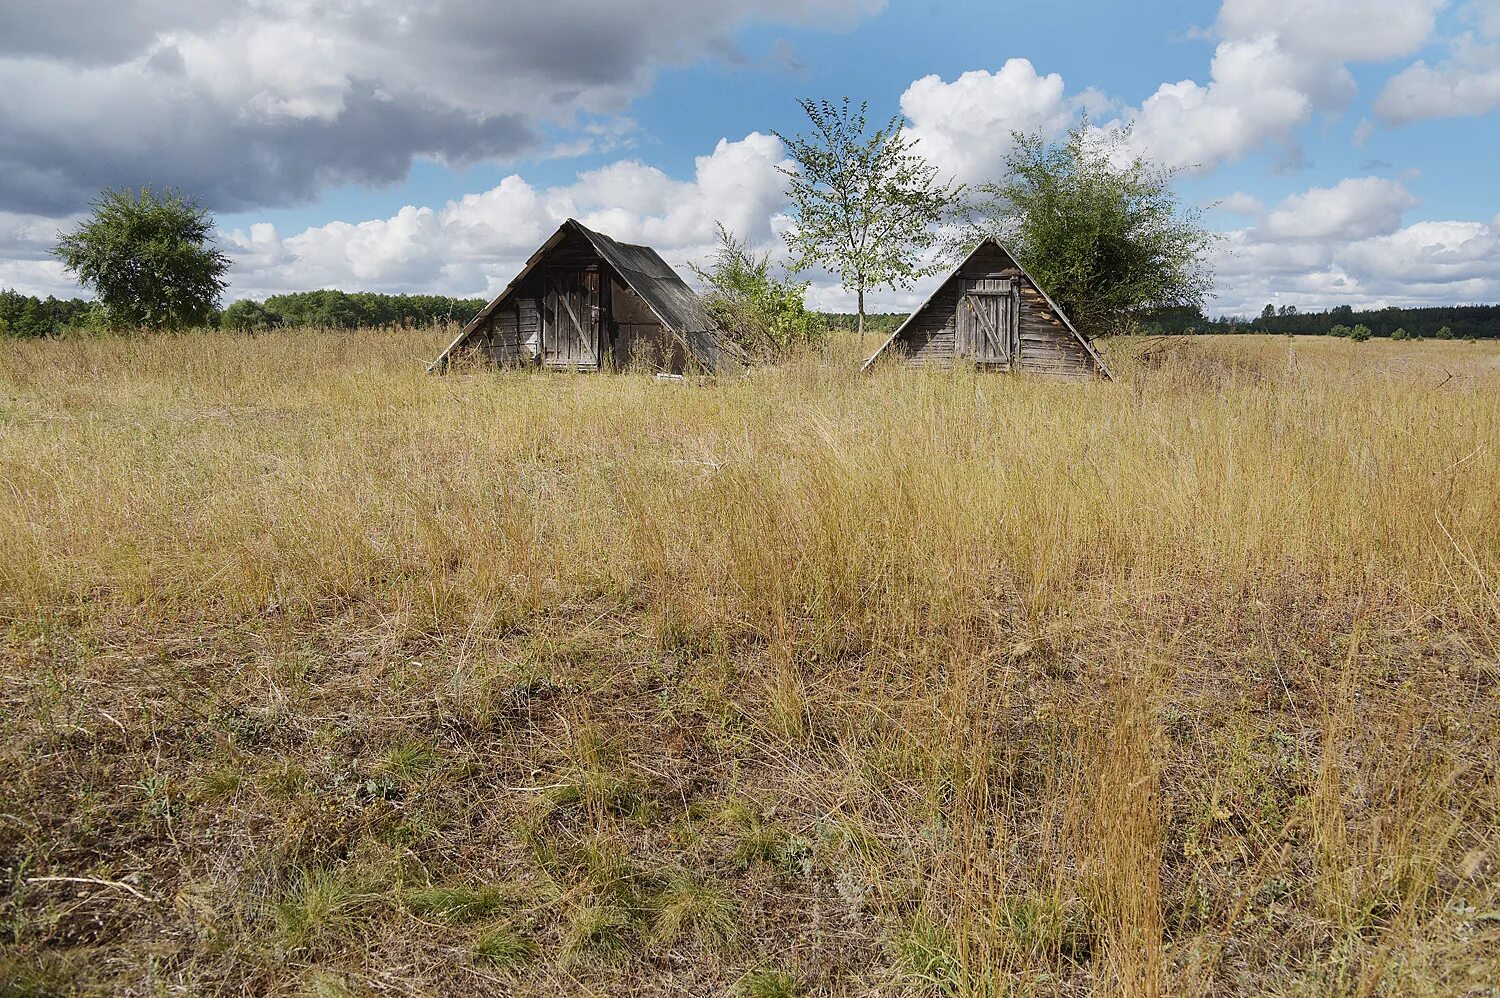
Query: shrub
[1445,333]
[1339,330]
[1399,334]
[763,314]
[1359,333]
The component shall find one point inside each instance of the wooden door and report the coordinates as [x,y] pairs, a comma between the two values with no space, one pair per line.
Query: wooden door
[570,319]
[986,326]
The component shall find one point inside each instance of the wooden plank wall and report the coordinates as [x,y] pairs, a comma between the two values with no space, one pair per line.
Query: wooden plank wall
[1047,347]
[514,321]
[638,335]
[930,338]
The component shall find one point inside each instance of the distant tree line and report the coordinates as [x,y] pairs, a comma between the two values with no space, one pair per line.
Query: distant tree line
[1461,322]
[348,310]
[27,315]
[881,323]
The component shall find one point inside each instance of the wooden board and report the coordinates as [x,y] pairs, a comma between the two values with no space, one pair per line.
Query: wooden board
[570,319]
[985,330]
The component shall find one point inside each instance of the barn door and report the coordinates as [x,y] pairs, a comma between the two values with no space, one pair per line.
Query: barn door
[986,328]
[570,315]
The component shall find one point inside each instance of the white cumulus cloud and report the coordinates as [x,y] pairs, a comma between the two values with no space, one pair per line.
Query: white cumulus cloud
[1335,30]
[1279,63]
[1429,253]
[474,245]
[1465,84]
[1240,203]
[1257,93]
[1354,208]
[965,126]
[1346,245]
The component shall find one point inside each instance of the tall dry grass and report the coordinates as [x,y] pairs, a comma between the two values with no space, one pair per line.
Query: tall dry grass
[1184,683]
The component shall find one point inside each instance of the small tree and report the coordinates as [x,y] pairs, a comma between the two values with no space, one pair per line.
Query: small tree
[1098,226]
[148,258]
[1399,334]
[1340,330]
[1445,333]
[865,204]
[1359,333]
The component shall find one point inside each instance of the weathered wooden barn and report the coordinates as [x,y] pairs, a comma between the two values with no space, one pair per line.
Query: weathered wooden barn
[991,313]
[585,302]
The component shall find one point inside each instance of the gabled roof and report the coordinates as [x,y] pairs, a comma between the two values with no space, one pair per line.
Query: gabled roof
[992,241]
[680,310]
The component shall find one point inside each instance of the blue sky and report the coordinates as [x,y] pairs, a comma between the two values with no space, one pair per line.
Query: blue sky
[390,145]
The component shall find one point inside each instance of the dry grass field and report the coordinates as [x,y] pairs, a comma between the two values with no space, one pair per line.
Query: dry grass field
[320,675]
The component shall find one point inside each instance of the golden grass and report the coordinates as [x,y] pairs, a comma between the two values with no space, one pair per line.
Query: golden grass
[1184,684]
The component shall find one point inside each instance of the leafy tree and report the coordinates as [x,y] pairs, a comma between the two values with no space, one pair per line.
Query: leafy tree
[1269,312]
[865,203]
[148,258]
[762,313]
[1099,226]
[1170,321]
[248,316]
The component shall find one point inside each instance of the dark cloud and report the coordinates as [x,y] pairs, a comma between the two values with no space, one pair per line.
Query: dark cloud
[86,31]
[259,105]
[235,165]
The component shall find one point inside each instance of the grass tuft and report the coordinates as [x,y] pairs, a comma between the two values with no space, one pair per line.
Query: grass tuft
[460,904]
[505,949]
[321,908]
[768,983]
[598,930]
[688,906]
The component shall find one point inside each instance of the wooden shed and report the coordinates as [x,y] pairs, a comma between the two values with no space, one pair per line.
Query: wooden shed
[585,302]
[991,313]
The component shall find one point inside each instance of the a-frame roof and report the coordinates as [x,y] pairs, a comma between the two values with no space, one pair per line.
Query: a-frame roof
[992,241]
[680,310]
